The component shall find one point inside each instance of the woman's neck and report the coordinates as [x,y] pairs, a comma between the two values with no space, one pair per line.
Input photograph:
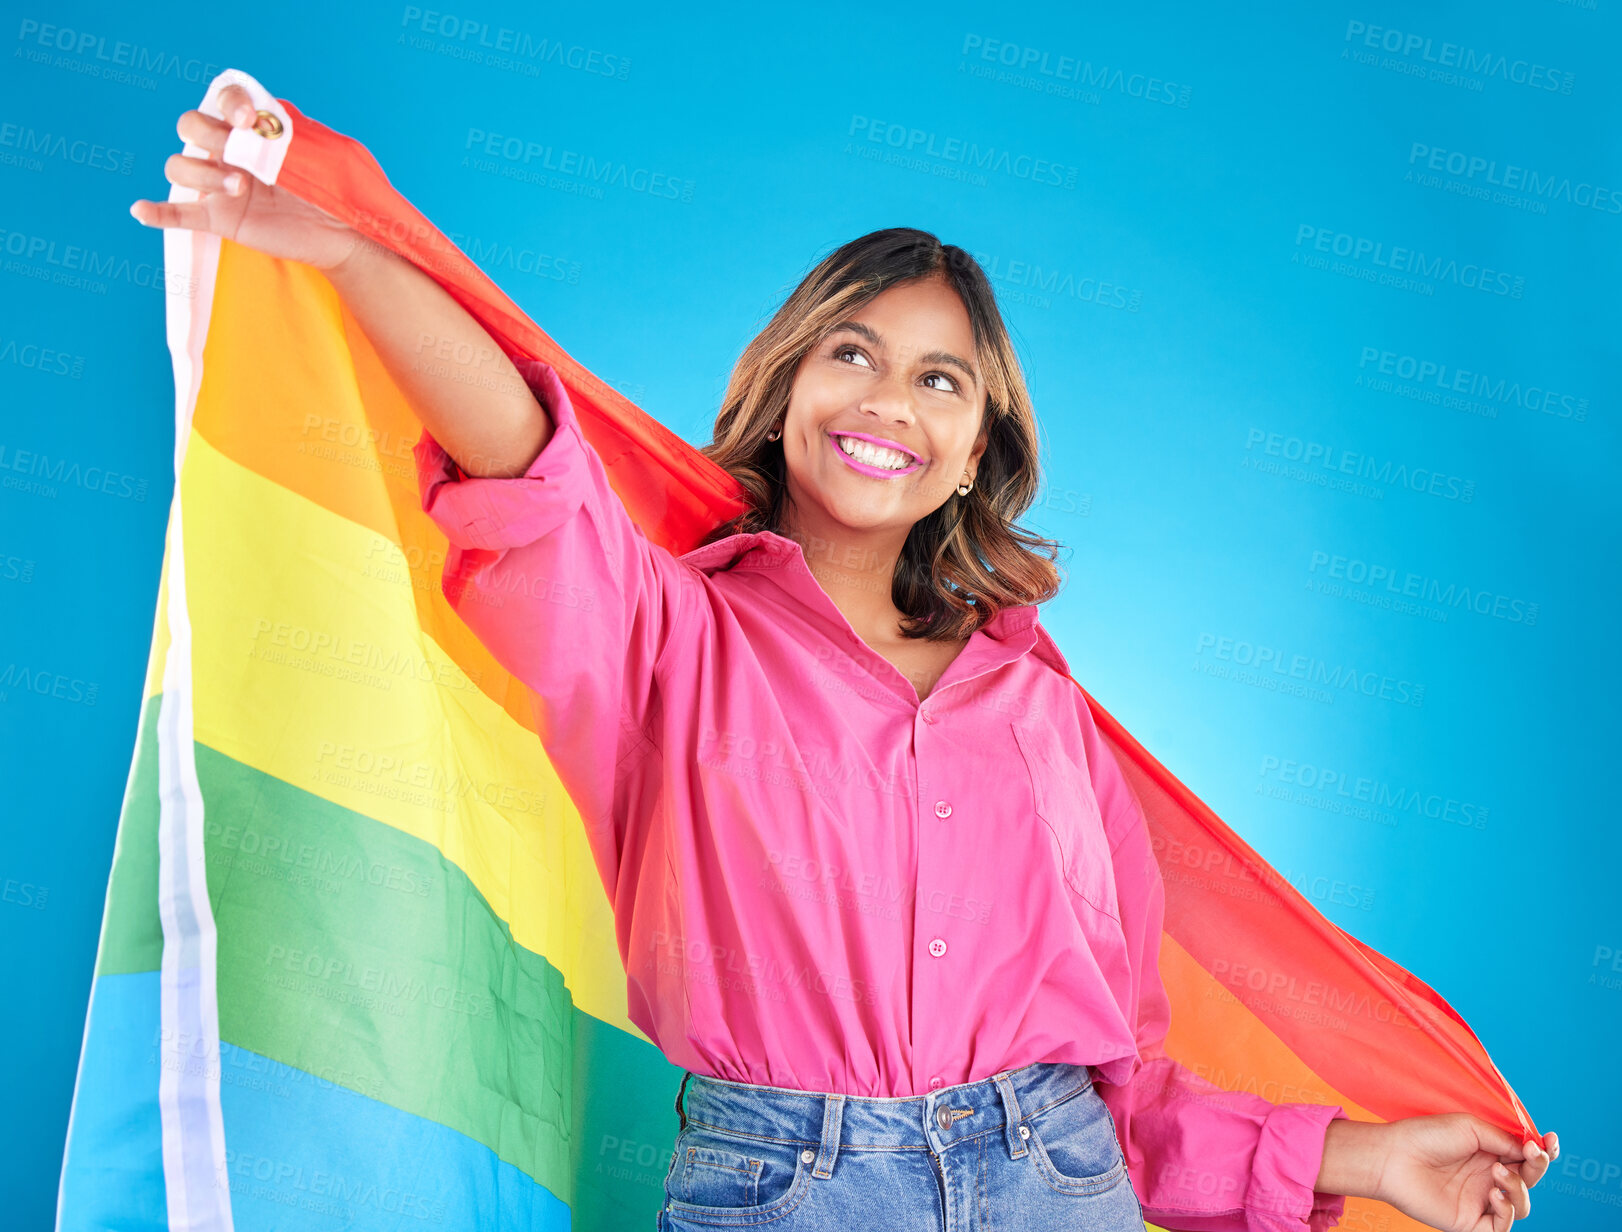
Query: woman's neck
[857,571]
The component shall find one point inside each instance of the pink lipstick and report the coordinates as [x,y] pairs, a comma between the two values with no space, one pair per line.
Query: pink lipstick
[877,472]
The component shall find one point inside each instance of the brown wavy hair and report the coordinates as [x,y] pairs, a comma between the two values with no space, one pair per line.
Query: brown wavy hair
[966,561]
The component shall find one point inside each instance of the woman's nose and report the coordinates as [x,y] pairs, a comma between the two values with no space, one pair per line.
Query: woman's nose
[890,400]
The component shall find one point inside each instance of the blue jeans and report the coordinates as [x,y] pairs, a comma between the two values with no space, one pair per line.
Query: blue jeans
[1030,1148]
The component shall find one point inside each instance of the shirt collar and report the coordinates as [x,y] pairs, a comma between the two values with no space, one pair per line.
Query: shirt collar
[1015,629]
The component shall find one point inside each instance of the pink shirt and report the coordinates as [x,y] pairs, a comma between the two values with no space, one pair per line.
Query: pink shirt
[821,883]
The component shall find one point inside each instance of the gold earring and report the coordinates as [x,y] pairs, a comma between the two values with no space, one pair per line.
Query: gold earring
[964,491]
[775,432]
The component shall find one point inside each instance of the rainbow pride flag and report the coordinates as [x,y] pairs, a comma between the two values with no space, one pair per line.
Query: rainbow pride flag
[357,969]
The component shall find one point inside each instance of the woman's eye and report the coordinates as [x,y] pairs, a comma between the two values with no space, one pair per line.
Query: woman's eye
[951,387]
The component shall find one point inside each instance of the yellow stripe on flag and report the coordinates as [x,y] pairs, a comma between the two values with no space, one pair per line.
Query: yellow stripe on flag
[311,666]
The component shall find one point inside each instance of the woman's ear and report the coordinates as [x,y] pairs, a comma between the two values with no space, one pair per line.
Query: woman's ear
[981,442]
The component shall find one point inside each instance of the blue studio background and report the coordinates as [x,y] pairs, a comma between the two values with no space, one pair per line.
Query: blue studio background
[1317,303]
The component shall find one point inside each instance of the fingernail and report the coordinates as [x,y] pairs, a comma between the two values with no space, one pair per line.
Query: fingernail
[243,115]
[1500,1170]
[233,182]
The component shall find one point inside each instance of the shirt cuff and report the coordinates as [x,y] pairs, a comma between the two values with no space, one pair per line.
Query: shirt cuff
[1289,1156]
[497,513]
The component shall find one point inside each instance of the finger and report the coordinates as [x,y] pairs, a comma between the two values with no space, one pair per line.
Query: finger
[1535,1164]
[204,175]
[1502,1213]
[204,131]
[236,105]
[1514,1187]
[1551,1143]
[188,214]
[1499,1142]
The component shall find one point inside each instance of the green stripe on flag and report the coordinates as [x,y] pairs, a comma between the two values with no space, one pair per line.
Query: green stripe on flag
[360,954]
[131,932]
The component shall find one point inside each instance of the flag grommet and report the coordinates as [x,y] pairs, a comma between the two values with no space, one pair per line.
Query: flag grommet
[267,124]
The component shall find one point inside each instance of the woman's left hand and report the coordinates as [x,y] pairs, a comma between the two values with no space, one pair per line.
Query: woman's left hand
[1459,1173]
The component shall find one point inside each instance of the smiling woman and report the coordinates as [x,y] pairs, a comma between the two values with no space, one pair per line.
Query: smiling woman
[895,340]
[881,883]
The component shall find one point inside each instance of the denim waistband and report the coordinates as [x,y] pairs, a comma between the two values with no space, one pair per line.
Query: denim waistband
[833,1122]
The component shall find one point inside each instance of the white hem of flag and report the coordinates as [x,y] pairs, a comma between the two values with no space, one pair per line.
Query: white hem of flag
[195,1172]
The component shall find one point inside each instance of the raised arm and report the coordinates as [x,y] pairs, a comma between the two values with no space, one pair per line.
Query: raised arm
[545,565]
[470,396]
[466,390]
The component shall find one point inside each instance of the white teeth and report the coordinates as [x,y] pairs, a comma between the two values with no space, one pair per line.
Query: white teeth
[873,455]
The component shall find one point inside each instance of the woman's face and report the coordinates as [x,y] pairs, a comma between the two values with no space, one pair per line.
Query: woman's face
[900,374]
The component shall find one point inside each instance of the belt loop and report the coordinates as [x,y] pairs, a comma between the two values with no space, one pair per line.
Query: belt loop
[1011,1116]
[833,1114]
[681,1115]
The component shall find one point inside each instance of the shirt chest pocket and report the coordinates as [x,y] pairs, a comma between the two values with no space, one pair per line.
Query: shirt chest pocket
[1063,800]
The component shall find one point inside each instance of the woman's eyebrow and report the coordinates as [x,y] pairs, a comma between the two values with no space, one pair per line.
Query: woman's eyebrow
[928,357]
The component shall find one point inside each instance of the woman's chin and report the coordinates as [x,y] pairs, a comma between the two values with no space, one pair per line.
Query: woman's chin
[858,520]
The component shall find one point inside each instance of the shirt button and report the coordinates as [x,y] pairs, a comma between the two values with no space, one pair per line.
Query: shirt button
[937,947]
[943,810]
[935,1083]
[928,716]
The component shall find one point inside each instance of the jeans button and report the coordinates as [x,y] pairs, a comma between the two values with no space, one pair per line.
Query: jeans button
[806,1156]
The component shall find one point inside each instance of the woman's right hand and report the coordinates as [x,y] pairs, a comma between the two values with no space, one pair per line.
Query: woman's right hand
[238,206]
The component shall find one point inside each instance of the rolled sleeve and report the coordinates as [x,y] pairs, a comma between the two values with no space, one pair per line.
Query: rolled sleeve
[492,514]
[1289,1156]
[564,590]
[1201,1158]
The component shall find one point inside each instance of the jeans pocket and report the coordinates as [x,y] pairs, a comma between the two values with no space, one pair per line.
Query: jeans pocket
[719,1174]
[1074,1144]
